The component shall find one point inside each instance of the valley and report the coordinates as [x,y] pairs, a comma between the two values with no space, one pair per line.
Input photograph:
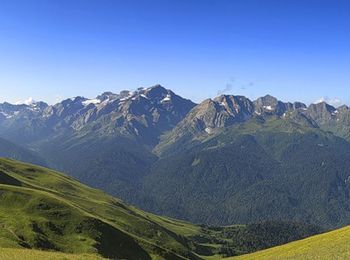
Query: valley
[44,210]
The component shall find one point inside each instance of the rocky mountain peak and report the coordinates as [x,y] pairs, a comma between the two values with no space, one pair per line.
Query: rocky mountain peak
[11,111]
[219,112]
[153,107]
[321,108]
[125,94]
[107,96]
[343,109]
[156,92]
[269,105]
[267,100]
[144,113]
[299,105]
[235,105]
[322,112]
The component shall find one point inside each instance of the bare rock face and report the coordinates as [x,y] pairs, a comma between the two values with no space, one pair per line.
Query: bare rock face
[148,113]
[221,112]
[321,112]
[144,113]
[209,117]
[154,106]
[226,110]
[271,105]
[329,118]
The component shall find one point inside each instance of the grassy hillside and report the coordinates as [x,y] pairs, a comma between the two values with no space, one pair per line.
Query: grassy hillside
[332,245]
[10,254]
[43,209]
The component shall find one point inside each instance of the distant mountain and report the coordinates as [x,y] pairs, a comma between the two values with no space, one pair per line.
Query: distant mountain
[263,169]
[225,160]
[8,111]
[271,105]
[143,114]
[329,118]
[106,141]
[212,116]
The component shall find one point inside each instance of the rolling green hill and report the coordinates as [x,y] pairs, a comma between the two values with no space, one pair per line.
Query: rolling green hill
[41,209]
[332,245]
[28,254]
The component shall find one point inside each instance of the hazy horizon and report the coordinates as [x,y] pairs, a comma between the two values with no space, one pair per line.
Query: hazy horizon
[336,102]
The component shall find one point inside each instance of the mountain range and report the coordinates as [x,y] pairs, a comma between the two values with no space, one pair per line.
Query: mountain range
[226,160]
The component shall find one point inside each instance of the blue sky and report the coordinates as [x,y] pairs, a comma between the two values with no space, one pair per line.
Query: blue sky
[295,50]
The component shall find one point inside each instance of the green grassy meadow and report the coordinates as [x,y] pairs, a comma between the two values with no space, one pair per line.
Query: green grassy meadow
[332,245]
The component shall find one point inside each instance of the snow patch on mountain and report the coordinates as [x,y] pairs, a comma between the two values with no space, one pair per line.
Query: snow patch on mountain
[6,115]
[166,99]
[91,101]
[268,108]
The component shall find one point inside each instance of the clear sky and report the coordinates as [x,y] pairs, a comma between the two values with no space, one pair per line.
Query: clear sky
[293,49]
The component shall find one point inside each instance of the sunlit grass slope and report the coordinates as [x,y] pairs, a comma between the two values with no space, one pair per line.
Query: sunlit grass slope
[11,254]
[332,245]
